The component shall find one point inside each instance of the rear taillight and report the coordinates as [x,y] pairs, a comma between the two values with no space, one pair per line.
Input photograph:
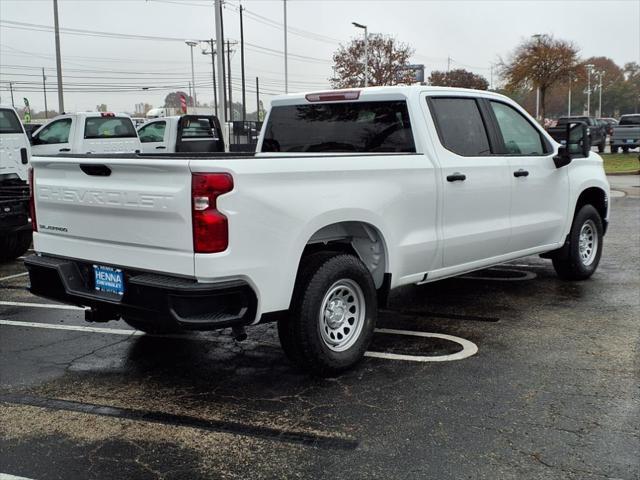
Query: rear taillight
[32,200]
[210,227]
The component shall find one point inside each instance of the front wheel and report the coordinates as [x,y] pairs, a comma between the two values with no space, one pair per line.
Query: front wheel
[14,245]
[332,316]
[601,147]
[585,246]
[625,149]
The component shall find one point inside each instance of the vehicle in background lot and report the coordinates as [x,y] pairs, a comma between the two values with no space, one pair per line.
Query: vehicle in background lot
[626,134]
[609,124]
[15,225]
[172,111]
[87,132]
[187,133]
[29,128]
[596,130]
[352,193]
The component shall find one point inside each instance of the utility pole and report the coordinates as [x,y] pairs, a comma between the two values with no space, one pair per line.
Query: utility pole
[589,69]
[213,67]
[220,50]
[44,91]
[193,43]
[244,98]
[448,63]
[491,77]
[257,100]
[58,59]
[286,52]
[224,67]
[11,90]
[538,103]
[230,86]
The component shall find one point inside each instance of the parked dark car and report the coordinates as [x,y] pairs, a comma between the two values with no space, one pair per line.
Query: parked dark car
[610,123]
[597,131]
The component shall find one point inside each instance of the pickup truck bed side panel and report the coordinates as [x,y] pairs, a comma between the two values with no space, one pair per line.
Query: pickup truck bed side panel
[278,203]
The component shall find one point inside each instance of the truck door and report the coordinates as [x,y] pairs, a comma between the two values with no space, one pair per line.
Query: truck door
[475,183]
[539,190]
[54,138]
[153,137]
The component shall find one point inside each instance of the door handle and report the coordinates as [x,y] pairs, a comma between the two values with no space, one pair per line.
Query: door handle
[456,177]
[160,147]
[64,150]
[521,173]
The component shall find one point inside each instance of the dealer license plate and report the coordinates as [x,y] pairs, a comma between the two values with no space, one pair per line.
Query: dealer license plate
[108,279]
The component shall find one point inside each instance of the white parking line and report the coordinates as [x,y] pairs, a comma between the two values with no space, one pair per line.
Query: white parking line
[14,276]
[54,306]
[6,476]
[468,348]
[75,328]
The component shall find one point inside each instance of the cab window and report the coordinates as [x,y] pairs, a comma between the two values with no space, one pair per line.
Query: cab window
[9,122]
[109,127]
[519,136]
[55,132]
[152,132]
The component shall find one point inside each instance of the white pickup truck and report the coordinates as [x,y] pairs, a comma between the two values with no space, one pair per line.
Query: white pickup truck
[181,134]
[86,132]
[15,224]
[352,193]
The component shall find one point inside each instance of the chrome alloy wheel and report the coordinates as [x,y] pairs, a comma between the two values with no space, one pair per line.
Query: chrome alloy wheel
[588,243]
[342,315]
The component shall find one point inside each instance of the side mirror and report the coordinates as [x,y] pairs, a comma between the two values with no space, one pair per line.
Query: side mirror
[576,145]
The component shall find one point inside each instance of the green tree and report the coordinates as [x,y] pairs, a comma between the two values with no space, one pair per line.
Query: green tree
[458,78]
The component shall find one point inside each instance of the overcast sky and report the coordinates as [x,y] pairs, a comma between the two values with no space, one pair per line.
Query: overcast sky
[474,33]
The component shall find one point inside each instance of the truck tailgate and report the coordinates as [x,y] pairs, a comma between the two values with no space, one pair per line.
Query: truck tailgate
[122,212]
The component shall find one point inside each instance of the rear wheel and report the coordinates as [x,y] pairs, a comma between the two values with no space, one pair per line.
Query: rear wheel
[614,149]
[585,246]
[625,149]
[14,245]
[601,147]
[332,316]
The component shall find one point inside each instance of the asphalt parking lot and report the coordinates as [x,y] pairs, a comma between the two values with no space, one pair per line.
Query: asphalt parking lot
[553,391]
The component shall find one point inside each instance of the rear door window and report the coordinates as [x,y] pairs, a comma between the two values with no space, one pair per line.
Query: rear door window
[382,126]
[9,122]
[631,120]
[109,127]
[460,126]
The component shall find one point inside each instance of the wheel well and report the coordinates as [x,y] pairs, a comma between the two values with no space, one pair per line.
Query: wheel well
[593,196]
[357,238]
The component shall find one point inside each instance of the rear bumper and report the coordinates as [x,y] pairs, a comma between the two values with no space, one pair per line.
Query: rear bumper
[148,297]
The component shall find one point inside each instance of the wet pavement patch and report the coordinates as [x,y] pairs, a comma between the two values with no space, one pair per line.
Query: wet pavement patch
[267,433]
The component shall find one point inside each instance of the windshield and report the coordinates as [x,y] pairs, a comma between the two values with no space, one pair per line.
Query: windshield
[109,127]
[340,127]
[9,122]
[630,120]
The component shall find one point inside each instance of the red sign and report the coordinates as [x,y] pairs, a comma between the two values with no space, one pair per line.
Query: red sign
[183,103]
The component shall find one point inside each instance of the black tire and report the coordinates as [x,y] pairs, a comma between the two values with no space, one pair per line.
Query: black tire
[614,149]
[625,149]
[14,245]
[576,266]
[153,327]
[601,147]
[325,278]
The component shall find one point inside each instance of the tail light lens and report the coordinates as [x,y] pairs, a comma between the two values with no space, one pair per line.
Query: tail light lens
[32,200]
[210,227]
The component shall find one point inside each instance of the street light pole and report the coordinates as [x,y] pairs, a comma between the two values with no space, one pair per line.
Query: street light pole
[192,44]
[286,51]
[219,49]
[589,69]
[11,90]
[213,68]
[58,59]
[569,100]
[366,51]
[600,75]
